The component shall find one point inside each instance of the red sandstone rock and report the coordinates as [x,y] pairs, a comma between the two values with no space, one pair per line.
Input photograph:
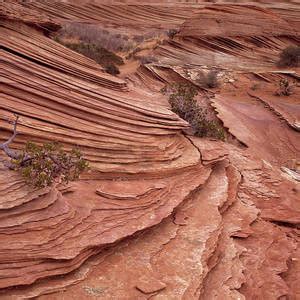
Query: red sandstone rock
[162,214]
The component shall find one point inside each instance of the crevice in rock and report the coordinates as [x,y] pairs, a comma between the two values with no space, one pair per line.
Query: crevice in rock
[190,140]
[284,224]
[35,61]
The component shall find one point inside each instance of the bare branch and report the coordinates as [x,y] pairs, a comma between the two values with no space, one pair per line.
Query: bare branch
[5,146]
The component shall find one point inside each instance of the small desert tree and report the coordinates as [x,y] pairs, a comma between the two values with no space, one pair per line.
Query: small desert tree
[41,165]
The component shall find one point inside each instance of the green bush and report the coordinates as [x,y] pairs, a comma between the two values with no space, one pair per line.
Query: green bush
[41,165]
[183,103]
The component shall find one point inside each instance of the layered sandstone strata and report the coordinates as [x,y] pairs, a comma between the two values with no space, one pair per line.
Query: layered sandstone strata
[161,214]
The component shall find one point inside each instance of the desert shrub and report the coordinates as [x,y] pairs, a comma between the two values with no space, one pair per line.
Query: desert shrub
[102,56]
[99,54]
[41,165]
[208,80]
[289,57]
[171,33]
[285,88]
[183,103]
[93,34]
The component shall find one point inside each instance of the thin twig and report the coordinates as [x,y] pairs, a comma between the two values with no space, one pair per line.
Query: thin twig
[5,146]
[10,140]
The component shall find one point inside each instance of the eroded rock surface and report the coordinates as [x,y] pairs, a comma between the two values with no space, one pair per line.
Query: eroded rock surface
[162,214]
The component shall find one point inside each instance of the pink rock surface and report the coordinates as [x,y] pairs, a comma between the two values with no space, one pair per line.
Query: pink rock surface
[162,214]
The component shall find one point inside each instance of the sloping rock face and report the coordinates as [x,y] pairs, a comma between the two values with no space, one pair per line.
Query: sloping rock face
[161,16]
[233,37]
[162,214]
[15,10]
[246,60]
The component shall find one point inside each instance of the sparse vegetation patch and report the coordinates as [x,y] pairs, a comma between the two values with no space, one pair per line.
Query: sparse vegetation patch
[94,34]
[40,165]
[285,88]
[183,102]
[172,32]
[208,80]
[102,56]
[289,57]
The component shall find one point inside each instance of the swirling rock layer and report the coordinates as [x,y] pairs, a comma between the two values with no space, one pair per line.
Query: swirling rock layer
[162,214]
